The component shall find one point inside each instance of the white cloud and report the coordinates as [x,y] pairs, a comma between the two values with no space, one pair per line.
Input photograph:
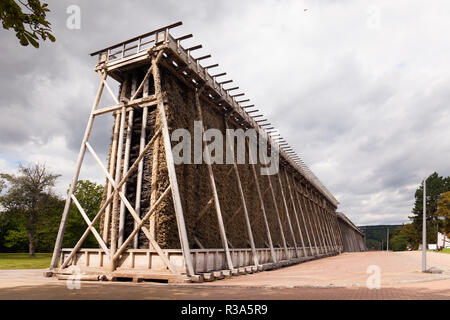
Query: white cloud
[366,107]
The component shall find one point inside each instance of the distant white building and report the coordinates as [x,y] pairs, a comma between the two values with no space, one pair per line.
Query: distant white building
[442,241]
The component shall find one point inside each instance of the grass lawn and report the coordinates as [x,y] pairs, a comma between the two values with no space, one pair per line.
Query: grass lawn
[22,261]
[445,250]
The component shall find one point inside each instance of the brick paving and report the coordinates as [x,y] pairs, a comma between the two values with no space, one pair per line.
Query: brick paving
[336,278]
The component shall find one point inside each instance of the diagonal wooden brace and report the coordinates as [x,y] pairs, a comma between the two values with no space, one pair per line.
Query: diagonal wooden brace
[111,197]
[89,223]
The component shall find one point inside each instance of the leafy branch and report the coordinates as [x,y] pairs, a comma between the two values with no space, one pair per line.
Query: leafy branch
[28,19]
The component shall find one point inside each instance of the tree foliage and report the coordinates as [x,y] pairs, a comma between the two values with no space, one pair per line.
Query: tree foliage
[89,195]
[435,186]
[14,220]
[29,195]
[398,243]
[28,18]
[443,212]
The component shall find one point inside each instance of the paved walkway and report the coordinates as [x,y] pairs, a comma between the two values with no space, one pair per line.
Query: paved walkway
[349,270]
[339,277]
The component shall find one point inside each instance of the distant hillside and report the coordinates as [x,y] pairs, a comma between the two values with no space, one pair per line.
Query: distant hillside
[376,235]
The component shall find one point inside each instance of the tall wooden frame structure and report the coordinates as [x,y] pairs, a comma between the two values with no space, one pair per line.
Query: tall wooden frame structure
[306,220]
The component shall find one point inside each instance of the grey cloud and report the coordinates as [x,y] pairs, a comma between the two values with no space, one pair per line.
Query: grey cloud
[367,109]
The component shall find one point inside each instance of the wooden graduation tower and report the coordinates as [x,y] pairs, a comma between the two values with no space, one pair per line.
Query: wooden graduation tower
[181,222]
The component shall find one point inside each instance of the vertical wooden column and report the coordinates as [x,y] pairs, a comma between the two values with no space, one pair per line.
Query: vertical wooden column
[316,222]
[140,172]
[333,228]
[65,214]
[172,172]
[305,213]
[322,221]
[244,205]
[295,212]
[153,182]
[322,224]
[263,210]
[126,161]
[278,217]
[223,234]
[339,232]
[310,244]
[115,208]
[112,168]
[329,228]
[287,213]
[311,220]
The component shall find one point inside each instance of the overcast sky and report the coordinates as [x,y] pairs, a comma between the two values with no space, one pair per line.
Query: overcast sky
[361,91]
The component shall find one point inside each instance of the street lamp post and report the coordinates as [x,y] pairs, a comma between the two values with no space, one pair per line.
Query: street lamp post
[387,240]
[424,228]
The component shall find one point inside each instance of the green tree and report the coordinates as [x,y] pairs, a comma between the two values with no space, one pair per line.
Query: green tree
[436,185]
[28,18]
[409,232]
[89,195]
[443,212]
[29,194]
[398,243]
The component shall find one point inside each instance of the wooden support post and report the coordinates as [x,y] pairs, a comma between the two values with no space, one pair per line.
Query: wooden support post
[338,228]
[287,213]
[308,215]
[137,206]
[319,224]
[326,228]
[263,210]
[279,219]
[112,168]
[212,182]
[65,214]
[295,212]
[126,161]
[154,176]
[172,173]
[321,221]
[115,208]
[305,224]
[244,206]
[332,228]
